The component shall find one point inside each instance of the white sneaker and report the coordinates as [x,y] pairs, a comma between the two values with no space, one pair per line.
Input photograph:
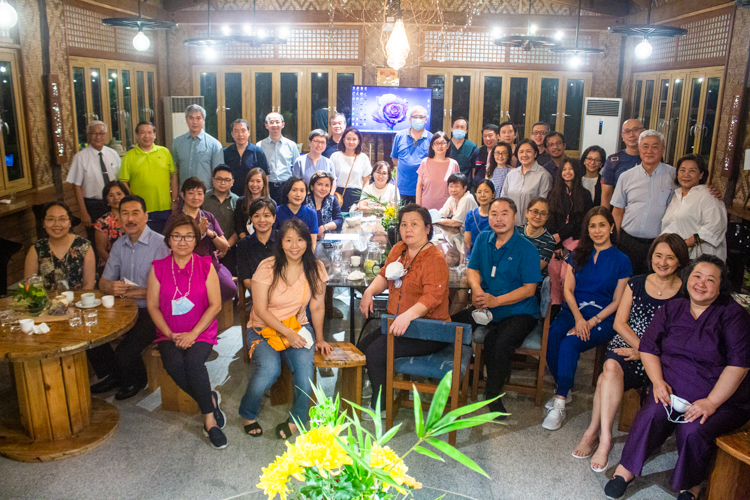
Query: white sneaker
[555,417]
[549,404]
[366,416]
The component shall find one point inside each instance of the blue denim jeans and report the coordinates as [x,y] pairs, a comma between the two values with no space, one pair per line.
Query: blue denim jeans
[267,361]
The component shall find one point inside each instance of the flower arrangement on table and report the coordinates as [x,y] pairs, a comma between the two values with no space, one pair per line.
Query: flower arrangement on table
[337,458]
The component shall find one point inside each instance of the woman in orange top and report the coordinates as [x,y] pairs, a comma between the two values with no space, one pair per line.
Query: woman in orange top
[420,292]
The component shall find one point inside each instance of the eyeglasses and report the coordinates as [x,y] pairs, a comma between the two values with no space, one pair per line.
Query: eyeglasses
[593,160]
[537,213]
[440,143]
[52,220]
[223,179]
[179,237]
[557,143]
[274,122]
[319,143]
[538,132]
[503,153]
[418,117]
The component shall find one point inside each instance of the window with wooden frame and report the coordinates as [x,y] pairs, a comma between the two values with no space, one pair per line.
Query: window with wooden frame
[14,152]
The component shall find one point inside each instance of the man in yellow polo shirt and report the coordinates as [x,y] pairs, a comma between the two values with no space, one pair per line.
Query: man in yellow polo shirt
[149,172]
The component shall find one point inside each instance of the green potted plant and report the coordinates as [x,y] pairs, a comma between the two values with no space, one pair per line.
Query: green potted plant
[30,296]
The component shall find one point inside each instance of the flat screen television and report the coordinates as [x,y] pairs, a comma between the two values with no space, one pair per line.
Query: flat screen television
[385,109]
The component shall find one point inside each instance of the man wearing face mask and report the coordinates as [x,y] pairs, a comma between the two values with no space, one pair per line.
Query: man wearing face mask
[410,147]
[461,149]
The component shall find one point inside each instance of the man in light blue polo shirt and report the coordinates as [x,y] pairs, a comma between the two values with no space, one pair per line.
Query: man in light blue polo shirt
[410,147]
[640,200]
[503,274]
[196,153]
[281,154]
[126,275]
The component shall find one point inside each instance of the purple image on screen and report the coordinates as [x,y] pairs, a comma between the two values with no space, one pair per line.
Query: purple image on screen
[386,109]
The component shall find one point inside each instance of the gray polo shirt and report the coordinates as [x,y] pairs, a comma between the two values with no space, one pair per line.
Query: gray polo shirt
[197,156]
[133,262]
[644,198]
[280,156]
[222,210]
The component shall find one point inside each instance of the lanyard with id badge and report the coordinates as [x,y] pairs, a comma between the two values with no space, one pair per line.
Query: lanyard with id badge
[183,305]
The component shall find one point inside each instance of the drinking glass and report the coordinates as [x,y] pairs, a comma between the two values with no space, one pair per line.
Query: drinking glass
[74,316]
[90,317]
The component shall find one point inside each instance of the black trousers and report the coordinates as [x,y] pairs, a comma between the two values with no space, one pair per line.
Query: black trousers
[637,251]
[126,362]
[95,209]
[377,356]
[187,367]
[274,191]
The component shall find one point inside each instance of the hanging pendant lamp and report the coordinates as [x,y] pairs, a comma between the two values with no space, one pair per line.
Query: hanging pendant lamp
[255,40]
[528,41]
[643,50]
[140,41]
[577,53]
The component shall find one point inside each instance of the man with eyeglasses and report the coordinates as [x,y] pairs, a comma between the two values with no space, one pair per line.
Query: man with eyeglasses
[538,132]
[490,138]
[622,161]
[306,165]
[410,147]
[337,125]
[554,144]
[195,152]
[281,153]
[222,202]
[242,156]
[92,168]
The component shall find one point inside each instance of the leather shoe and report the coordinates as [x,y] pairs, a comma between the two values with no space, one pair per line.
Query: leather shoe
[105,385]
[129,392]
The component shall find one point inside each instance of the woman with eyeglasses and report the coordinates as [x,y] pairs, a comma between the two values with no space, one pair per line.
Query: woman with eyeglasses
[534,230]
[183,299]
[256,186]
[593,159]
[62,255]
[380,187]
[499,165]
[433,174]
[306,165]
[108,225]
[697,349]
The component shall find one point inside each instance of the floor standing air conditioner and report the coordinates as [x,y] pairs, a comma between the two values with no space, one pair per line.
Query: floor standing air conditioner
[601,124]
[174,116]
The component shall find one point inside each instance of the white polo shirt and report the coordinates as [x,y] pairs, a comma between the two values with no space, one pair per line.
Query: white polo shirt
[85,171]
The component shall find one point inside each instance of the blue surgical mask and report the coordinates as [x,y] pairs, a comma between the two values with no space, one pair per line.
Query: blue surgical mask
[458,134]
[181,306]
[417,124]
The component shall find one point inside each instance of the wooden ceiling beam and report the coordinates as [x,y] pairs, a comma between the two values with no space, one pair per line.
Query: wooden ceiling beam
[128,8]
[607,7]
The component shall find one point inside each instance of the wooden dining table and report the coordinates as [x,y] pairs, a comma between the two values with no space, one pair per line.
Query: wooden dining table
[58,417]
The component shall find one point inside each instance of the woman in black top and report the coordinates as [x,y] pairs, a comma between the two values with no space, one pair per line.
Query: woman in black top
[568,203]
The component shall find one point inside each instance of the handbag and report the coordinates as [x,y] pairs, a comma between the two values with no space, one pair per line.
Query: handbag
[340,196]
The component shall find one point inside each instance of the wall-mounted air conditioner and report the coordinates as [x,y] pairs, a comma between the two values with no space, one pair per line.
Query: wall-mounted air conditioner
[601,123]
[174,116]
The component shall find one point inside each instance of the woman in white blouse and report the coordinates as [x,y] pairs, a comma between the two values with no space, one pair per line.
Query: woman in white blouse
[352,168]
[694,213]
[528,180]
[380,187]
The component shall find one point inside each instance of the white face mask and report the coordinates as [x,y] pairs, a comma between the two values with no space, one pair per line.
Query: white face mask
[394,271]
[678,405]
[181,306]
[482,316]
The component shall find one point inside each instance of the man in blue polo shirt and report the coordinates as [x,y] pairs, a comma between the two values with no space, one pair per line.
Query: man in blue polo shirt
[622,161]
[503,274]
[410,147]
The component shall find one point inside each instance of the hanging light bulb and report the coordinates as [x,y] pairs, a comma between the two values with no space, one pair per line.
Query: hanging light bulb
[643,50]
[397,48]
[8,15]
[575,61]
[141,41]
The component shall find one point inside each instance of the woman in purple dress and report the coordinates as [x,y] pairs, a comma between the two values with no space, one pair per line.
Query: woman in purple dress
[183,300]
[698,349]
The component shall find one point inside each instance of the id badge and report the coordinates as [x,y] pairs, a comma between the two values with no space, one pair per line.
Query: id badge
[181,306]
[398,283]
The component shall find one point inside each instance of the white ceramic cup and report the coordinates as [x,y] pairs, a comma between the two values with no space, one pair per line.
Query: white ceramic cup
[70,296]
[88,299]
[108,301]
[27,325]
[356,259]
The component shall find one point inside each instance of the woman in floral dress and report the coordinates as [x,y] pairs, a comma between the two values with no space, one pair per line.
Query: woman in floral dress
[108,225]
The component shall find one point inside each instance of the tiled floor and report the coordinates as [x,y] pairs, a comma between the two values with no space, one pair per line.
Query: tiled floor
[159,454]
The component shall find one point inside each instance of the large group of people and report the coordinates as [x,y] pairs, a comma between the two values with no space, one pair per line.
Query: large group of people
[634,250]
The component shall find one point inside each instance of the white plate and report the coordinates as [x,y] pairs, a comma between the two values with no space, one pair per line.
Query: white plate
[97,303]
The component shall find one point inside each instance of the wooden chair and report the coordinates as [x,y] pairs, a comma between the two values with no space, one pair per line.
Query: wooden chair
[631,403]
[454,357]
[244,305]
[730,476]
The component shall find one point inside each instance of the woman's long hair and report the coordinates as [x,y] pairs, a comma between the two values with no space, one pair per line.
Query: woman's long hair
[558,196]
[264,193]
[585,247]
[309,262]
[493,163]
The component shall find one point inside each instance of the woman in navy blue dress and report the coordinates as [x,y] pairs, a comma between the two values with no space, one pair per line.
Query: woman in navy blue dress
[596,279]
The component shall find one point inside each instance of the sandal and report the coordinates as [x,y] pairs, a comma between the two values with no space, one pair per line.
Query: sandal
[252,427]
[283,427]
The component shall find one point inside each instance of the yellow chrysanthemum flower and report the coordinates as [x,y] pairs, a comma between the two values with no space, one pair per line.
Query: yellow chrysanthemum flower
[387,460]
[275,477]
[318,448]
[412,483]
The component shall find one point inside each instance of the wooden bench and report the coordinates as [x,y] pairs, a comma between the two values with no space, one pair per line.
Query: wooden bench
[172,397]
[730,477]
[631,403]
[225,318]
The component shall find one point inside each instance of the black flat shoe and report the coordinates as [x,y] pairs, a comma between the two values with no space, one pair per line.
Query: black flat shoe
[129,392]
[686,495]
[219,416]
[105,385]
[616,487]
[216,437]
[498,406]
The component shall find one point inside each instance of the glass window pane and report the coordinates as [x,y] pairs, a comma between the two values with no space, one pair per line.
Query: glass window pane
[674,119]
[709,117]
[8,115]
[573,114]
[151,96]
[344,84]
[517,107]
[663,92]
[232,101]
[437,84]
[647,103]
[127,106]
[288,107]
[140,87]
[548,101]
[637,99]
[493,100]
[208,91]
[461,97]
[695,100]
[96,93]
[263,103]
[79,91]
[319,101]
[114,106]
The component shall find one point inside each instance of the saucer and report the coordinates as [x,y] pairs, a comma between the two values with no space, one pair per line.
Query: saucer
[97,303]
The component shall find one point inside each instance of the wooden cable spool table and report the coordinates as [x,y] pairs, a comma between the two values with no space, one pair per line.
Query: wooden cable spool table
[59,418]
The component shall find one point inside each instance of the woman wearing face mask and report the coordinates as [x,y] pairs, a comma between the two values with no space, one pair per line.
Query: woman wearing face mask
[499,165]
[380,187]
[694,213]
[526,181]
[62,255]
[108,225]
[256,186]
[697,349]
[326,206]
[351,166]
[293,206]
[478,219]
[183,299]
[433,173]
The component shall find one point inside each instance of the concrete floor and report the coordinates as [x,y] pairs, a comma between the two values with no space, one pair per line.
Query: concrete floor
[159,454]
